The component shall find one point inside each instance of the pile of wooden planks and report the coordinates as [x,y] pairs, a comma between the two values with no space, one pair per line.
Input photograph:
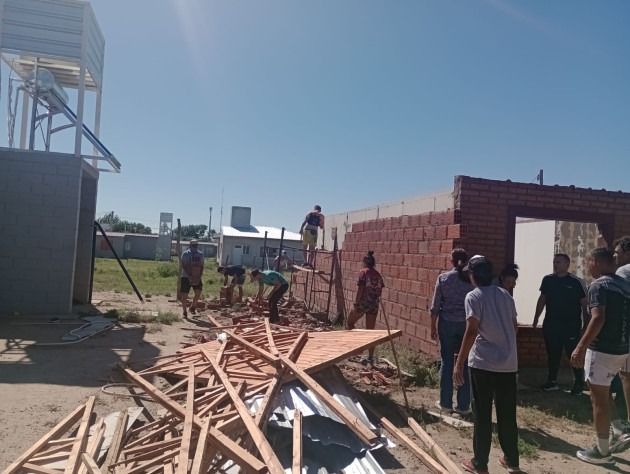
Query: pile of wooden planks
[206,420]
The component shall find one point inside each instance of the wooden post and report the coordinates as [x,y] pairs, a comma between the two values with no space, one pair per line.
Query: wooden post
[391,341]
[297,443]
[434,448]
[178,250]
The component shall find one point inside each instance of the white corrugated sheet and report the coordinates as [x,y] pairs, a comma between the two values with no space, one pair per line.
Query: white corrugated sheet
[258,232]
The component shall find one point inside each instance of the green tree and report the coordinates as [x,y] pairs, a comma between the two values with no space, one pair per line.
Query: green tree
[119,225]
[193,231]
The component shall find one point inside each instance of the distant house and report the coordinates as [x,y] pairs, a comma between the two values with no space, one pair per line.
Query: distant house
[142,246]
[241,243]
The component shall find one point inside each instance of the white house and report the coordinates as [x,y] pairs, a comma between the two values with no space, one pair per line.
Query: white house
[241,243]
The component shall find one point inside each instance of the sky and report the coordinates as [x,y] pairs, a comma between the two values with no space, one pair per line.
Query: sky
[287,104]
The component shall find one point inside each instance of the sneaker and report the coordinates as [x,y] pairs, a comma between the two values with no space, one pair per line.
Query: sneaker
[469,466]
[619,443]
[466,412]
[441,408]
[620,427]
[550,387]
[593,456]
[511,469]
[577,388]
[367,360]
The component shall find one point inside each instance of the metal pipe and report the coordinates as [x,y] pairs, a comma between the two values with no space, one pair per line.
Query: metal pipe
[31,140]
[133,285]
[280,250]
[93,263]
[265,259]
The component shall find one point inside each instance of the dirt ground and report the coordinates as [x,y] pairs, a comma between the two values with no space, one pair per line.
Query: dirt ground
[41,384]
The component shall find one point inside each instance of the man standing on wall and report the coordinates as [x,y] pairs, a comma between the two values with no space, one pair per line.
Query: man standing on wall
[565,300]
[313,221]
[192,271]
[604,346]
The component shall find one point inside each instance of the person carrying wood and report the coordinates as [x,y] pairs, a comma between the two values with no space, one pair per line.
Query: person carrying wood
[280,287]
[313,221]
[237,273]
[192,271]
[370,286]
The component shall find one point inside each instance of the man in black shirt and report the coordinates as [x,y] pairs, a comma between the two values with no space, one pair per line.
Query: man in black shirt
[563,295]
[603,348]
[238,277]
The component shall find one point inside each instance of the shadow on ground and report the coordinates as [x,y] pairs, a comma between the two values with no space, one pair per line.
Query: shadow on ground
[84,364]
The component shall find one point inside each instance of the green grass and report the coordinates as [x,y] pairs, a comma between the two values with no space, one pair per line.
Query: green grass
[156,278]
[424,370]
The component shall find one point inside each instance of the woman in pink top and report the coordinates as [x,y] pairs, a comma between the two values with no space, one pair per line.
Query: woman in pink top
[370,286]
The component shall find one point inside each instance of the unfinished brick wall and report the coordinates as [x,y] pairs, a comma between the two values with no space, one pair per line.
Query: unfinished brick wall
[412,250]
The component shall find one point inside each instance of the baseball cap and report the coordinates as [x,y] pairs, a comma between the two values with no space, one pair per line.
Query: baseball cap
[475,261]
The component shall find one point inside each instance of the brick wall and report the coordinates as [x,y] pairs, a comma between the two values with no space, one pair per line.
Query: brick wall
[412,250]
[39,198]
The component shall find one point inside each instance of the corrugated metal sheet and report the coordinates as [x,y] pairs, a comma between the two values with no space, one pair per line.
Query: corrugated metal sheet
[258,232]
[329,445]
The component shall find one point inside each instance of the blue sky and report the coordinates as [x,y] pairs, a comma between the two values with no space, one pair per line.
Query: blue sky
[349,103]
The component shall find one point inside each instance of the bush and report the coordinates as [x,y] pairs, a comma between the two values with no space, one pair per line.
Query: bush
[167,270]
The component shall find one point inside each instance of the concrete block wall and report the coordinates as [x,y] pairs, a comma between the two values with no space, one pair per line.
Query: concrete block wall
[412,250]
[39,205]
[85,229]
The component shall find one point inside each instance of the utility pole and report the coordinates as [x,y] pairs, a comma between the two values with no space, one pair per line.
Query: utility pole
[210,223]
[221,216]
[540,177]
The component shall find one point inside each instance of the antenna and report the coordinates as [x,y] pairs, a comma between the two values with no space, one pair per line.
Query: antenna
[221,218]
[540,177]
[210,223]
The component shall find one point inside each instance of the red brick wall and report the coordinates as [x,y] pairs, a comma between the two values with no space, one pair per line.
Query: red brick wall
[412,250]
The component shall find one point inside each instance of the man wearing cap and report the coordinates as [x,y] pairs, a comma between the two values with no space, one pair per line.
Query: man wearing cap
[192,271]
[313,221]
[489,345]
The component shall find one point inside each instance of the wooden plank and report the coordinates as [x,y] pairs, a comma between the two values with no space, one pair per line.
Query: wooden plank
[184,451]
[265,405]
[61,427]
[94,443]
[297,443]
[260,441]
[270,341]
[168,442]
[30,467]
[117,440]
[434,448]
[152,462]
[89,464]
[272,359]
[169,465]
[356,425]
[424,457]
[215,437]
[200,463]
[82,437]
